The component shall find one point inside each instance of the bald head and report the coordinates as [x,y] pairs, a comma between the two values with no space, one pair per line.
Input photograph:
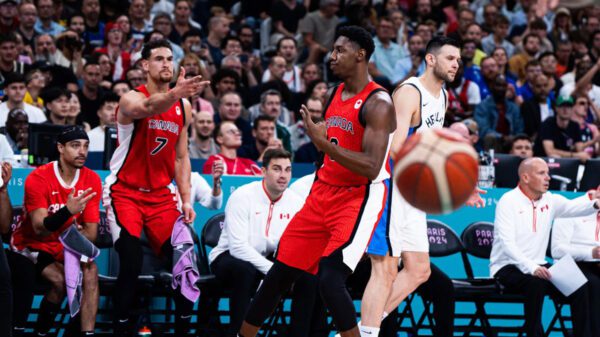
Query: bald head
[530,165]
[461,129]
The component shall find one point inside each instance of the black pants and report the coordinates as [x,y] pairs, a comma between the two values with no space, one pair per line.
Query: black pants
[535,289]
[591,270]
[6,297]
[440,291]
[241,279]
[23,277]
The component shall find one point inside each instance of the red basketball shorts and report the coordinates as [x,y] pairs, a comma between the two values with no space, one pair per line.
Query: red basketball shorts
[334,218]
[155,212]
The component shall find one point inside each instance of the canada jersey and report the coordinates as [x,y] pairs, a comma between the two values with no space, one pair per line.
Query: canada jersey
[431,109]
[145,156]
[44,188]
[345,128]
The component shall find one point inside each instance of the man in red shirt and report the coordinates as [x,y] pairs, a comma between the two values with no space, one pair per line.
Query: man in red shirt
[229,139]
[58,195]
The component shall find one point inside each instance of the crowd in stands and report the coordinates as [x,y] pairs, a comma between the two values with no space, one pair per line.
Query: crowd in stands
[528,68]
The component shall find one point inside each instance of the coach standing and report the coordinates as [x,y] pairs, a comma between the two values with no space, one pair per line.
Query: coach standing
[522,225]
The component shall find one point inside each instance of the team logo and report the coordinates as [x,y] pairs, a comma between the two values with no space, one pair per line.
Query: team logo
[358,104]
[177,111]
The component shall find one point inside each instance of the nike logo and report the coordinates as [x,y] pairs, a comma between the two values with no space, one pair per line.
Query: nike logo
[425,104]
[54,193]
[257,213]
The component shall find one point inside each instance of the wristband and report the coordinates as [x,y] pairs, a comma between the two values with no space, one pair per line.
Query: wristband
[55,221]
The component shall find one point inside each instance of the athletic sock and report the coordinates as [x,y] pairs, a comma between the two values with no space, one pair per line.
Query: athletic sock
[367,331]
[182,325]
[87,333]
[46,317]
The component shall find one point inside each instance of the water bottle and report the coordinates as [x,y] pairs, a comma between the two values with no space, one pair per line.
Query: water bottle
[487,173]
[24,158]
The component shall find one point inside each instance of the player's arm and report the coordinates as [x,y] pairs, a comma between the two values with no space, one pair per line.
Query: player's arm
[380,123]
[44,224]
[5,206]
[406,104]
[135,105]
[183,167]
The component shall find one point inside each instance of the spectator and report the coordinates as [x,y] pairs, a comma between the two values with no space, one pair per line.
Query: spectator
[563,52]
[35,82]
[517,63]
[250,236]
[76,23]
[121,87]
[316,89]
[244,72]
[287,49]
[521,233]
[218,29]
[14,88]
[93,36]
[8,58]
[263,131]
[318,29]
[472,71]
[463,96]
[17,130]
[202,144]
[135,77]
[8,13]
[139,25]
[548,64]
[538,108]
[561,27]
[465,18]
[183,22]
[277,68]
[310,72]
[584,74]
[224,81]
[521,146]
[45,23]
[90,94]
[489,71]
[497,117]
[308,153]
[400,25]
[286,14]
[577,238]
[56,102]
[59,195]
[560,137]
[533,69]
[74,111]
[386,53]
[27,20]
[228,137]
[298,134]
[498,37]
[590,136]
[473,128]
[230,109]
[474,33]
[106,115]
[539,28]
[270,105]
[412,64]
[120,59]
[162,22]
[69,52]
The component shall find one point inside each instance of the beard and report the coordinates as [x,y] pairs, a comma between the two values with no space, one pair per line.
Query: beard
[165,78]
[46,57]
[203,137]
[442,75]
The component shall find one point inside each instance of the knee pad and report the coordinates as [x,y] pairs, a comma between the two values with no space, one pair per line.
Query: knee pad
[332,284]
[332,274]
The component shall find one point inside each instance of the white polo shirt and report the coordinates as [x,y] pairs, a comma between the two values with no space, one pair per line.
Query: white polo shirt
[522,227]
[576,237]
[254,224]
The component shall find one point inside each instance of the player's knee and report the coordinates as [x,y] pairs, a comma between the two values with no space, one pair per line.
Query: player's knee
[130,254]
[332,276]
[57,283]
[420,273]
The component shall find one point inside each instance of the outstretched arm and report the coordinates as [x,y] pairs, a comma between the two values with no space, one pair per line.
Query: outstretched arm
[380,123]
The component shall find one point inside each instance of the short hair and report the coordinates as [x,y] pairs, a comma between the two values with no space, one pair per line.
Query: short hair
[13,77]
[532,63]
[485,58]
[501,20]
[538,24]
[148,36]
[8,37]
[190,33]
[224,73]
[360,36]
[30,73]
[91,62]
[148,47]
[109,97]
[213,21]
[115,83]
[262,118]
[545,54]
[280,41]
[227,58]
[230,38]
[217,130]
[270,92]
[50,94]
[437,42]
[520,136]
[271,154]
[161,15]
[529,36]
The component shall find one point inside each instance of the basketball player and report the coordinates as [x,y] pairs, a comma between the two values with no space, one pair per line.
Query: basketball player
[330,233]
[153,150]
[420,103]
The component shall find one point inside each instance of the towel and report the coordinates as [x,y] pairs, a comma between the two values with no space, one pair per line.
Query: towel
[77,249]
[185,267]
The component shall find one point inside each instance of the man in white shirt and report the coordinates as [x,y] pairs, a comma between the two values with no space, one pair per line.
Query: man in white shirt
[256,215]
[579,237]
[287,48]
[14,89]
[521,233]
[106,114]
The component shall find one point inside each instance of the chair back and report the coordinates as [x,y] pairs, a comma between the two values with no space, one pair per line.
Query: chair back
[17,218]
[104,238]
[443,240]
[478,238]
[210,237]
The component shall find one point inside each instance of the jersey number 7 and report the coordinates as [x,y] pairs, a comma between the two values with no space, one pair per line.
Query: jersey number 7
[161,143]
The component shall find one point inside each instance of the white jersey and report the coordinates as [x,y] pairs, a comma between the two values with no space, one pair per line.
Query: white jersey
[432,109]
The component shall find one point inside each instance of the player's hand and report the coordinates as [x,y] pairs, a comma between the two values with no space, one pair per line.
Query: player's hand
[189,215]
[76,204]
[316,132]
[188,87]
[217,169]
[543,273]
[6,173]
[475,200]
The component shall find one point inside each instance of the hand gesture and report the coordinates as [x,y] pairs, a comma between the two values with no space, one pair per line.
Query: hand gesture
[188,87]
[76,204]
[543,273]
[189,215]
[475,200]
[316,132]
[217,169]
[6,173]
[274,144]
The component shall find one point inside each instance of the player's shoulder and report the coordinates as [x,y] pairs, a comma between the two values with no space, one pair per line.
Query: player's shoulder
[89,175]
[291,198]
[248,190]
[42,172]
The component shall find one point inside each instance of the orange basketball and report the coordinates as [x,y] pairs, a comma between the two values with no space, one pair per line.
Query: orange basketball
[436,171]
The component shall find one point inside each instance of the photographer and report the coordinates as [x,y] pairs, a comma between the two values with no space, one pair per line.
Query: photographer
[70,47]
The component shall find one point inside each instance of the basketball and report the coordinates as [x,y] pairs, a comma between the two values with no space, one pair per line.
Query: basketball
[436,171]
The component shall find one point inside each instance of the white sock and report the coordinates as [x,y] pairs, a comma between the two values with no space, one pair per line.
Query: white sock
[367,331]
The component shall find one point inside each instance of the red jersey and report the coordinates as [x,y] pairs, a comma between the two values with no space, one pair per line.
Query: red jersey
[345,128]
[145,156]
[44,188]
[239,166]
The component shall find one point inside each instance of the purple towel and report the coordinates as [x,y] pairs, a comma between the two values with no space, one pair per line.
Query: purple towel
[77,249]
[185,267]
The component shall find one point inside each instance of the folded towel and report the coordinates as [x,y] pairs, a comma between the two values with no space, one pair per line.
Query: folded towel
[185,266]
